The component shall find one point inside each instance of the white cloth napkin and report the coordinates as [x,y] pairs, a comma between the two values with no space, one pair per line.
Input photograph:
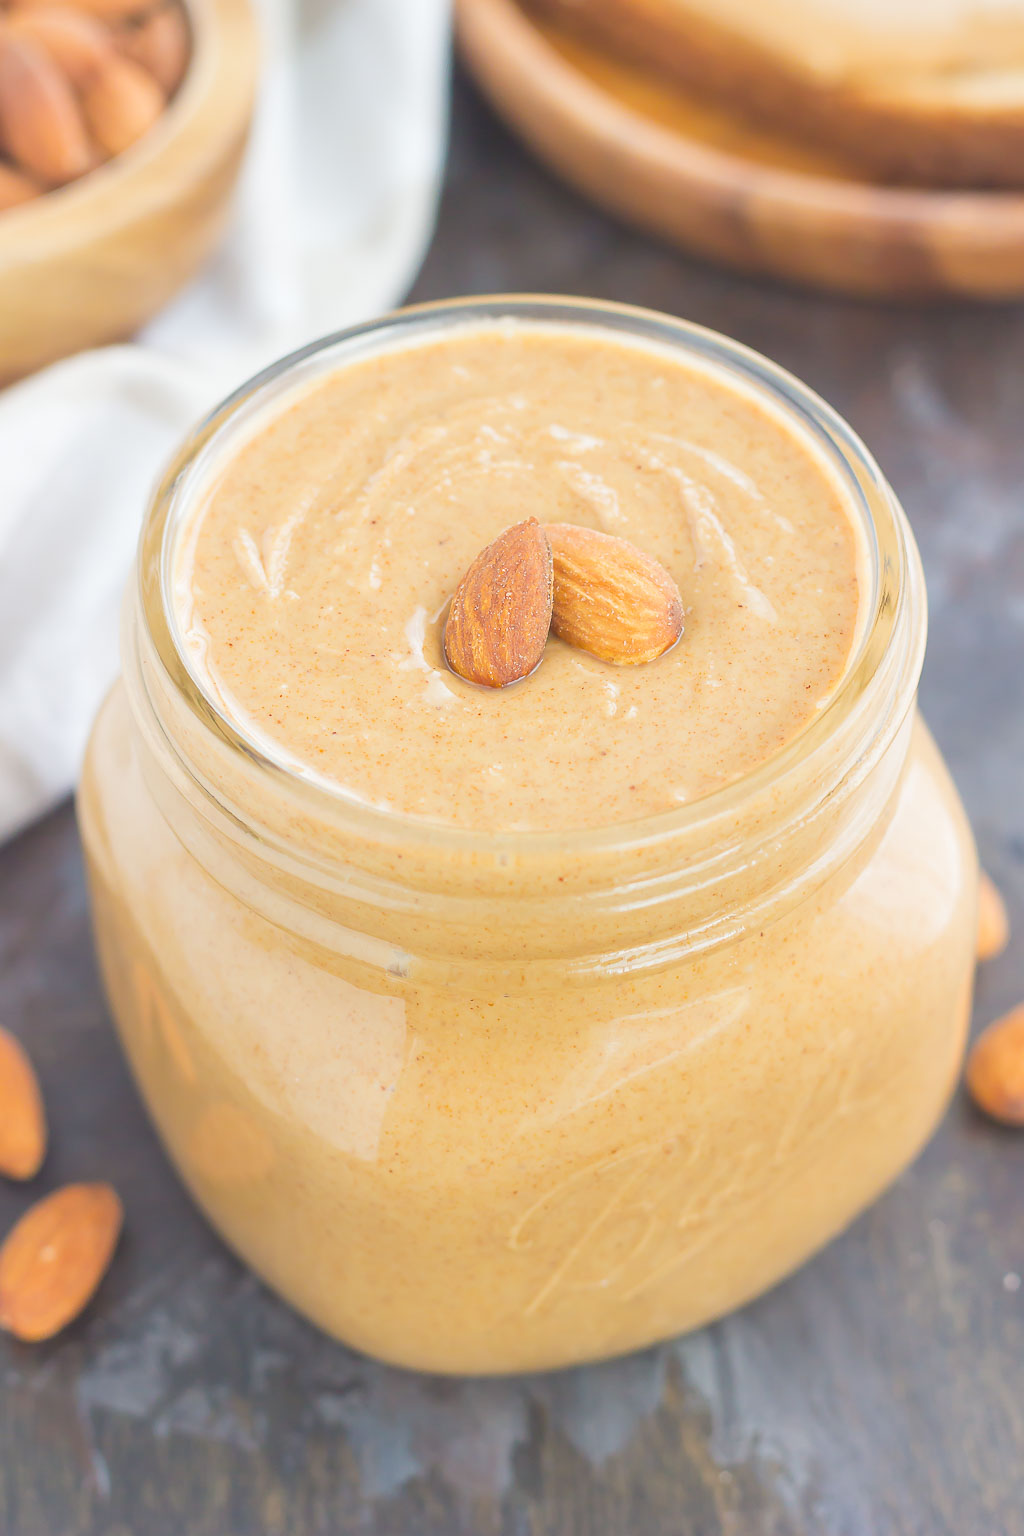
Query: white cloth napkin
[333,214]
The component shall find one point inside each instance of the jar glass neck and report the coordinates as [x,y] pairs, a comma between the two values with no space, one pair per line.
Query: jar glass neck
[310,856]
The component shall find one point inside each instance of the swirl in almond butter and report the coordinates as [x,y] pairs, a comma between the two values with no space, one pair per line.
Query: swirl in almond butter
[315,582]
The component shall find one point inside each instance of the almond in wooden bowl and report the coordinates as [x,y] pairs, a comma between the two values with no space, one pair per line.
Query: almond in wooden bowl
[16,187]
[74,42]
[164,103]
[41,125]
[160,43]
[70,97]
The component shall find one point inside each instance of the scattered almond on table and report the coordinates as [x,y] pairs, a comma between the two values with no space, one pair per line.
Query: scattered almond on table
[56,1254]
[995,1069]
[993,923]
[995,1066]
[22,1118]
[53,1259]
[80,82]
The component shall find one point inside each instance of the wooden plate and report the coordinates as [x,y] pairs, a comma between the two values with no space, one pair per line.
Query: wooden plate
[712,186]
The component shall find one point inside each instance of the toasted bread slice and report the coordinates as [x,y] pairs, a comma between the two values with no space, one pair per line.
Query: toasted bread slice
[928,91]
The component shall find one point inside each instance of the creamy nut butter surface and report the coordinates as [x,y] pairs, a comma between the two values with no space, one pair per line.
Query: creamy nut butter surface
[501,1028]
[314,579]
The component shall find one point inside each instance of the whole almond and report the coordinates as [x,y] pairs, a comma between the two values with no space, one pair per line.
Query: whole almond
[160,43]
[16,187]
[993,923]
[610,598]
[995,1069]
[121,102]
[53,1259]
[498,622]
[41,125]
[22,1117]
[76,43]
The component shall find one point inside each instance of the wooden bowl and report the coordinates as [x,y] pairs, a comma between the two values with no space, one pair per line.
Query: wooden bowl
[715,187]
[90,262]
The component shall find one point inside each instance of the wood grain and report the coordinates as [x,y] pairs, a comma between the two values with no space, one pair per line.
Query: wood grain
[877,1393]
[91,262]
[764,207]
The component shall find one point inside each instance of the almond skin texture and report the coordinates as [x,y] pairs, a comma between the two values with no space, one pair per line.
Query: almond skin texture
[498,622]
[55,1257]
[41,126]
[76,44]
[611,599]
[121,102]
[993,923]
[22,1118]
[995,1069]
[160,44]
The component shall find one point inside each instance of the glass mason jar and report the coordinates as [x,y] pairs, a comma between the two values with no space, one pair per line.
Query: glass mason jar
[480,1102]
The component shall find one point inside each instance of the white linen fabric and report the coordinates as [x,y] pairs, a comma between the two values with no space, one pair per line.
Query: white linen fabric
[333,213]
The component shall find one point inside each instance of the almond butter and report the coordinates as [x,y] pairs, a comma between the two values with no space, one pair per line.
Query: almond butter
[160,43]
[121,102]
[53,1259]
[995,1069]
[227,1146]
[993,923]
[610,598]
[41,126]
[16,187]
[22,1117]
[498,622]
[76,43]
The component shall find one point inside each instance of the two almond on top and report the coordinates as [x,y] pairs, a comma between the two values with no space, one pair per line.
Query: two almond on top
[598,593]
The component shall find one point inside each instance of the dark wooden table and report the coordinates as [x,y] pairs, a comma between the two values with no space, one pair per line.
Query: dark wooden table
[880,1391]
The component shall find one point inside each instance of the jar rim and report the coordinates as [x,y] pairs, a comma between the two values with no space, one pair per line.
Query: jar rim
[894,568]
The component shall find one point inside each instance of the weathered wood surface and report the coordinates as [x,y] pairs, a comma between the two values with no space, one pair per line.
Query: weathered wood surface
[880,1391]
